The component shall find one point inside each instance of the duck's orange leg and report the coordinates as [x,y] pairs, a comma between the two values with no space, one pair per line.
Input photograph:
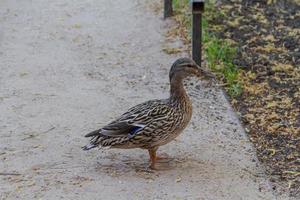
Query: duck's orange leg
[152,154]
[154,159]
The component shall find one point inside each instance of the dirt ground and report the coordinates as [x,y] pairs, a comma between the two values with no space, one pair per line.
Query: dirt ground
[68,67]
[267,35]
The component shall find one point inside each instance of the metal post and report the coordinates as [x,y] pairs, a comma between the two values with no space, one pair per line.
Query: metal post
[168,9]
[197,9]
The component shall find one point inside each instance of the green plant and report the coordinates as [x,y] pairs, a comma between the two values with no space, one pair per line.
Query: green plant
[179,5]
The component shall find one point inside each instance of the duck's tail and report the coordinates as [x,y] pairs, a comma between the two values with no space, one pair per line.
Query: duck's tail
[88,147]
[94,141]
[93,133]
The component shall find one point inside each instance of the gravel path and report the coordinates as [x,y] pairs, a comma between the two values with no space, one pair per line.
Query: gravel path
[68,67]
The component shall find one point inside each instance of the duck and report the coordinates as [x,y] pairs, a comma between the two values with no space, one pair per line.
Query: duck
[153,123]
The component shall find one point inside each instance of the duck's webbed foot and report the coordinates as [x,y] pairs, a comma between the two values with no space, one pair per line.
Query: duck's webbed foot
[163,158]
[157,161]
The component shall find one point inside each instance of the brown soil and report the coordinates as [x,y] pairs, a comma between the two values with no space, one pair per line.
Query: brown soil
[267,34]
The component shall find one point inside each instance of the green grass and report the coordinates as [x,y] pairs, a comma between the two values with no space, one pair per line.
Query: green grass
[179,4]
[219,53]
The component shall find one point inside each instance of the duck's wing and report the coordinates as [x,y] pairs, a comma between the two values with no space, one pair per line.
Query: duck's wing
[134,120]
[116,129]
[112,129]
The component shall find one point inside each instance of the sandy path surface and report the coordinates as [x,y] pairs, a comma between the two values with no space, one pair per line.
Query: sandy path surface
[68,67]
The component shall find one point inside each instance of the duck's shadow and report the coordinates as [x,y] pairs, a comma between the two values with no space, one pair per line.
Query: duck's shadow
[139,167]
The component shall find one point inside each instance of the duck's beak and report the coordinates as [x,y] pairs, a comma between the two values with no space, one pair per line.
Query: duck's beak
[204,73]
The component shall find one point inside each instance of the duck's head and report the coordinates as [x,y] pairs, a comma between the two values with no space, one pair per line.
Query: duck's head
[184,67]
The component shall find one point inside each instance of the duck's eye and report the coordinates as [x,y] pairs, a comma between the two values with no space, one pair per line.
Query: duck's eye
[189,65]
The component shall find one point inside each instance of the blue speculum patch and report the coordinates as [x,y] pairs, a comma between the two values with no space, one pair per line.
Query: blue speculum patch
[134,130]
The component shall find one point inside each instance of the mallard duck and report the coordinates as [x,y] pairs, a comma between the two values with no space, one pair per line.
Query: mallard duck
[153,123]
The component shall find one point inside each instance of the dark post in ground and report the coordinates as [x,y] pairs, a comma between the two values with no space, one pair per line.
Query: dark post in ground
[197,10]
[168,9]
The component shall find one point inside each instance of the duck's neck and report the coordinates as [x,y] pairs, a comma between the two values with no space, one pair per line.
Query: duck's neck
[177,92]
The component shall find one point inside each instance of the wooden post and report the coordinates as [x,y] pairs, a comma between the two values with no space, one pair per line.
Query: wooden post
[197,10]
[168,9]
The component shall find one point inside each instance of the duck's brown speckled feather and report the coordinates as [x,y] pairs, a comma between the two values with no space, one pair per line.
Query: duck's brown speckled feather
[145,125]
